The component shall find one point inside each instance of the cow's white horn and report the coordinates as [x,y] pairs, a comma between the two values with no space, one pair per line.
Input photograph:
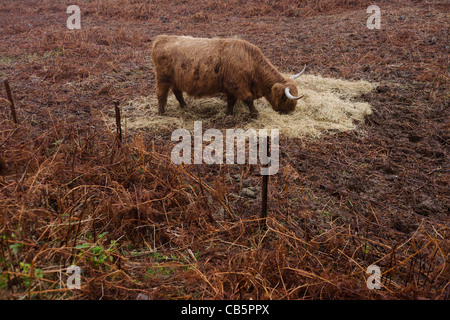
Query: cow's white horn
[289,95]
[295,76]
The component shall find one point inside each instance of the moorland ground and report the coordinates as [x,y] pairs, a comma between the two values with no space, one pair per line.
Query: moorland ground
[138,224]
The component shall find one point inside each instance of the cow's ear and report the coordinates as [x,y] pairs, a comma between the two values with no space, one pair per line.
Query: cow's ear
[277,95]
[277,90]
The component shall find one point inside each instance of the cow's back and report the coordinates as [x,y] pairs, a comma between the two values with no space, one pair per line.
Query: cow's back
[201,66]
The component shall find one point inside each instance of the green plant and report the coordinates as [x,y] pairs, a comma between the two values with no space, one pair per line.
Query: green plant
[160,257]
[15,247]
[99,253]
[157,270]
[4,277]
[53,53]
[5,59]
[55,147]
[25,267]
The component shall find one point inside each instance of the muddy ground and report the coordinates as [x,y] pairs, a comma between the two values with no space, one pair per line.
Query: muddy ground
[378,195]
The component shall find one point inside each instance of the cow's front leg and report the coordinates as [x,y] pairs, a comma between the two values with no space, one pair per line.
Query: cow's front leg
[251,108]
[231,101]
[162,90]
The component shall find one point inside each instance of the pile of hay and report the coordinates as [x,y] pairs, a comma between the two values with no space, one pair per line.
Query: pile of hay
[328,105]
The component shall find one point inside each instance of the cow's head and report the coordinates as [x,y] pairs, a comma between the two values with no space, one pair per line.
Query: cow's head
[285,95]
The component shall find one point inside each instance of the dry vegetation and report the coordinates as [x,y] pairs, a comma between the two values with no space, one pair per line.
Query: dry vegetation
[328,106]
[138,224]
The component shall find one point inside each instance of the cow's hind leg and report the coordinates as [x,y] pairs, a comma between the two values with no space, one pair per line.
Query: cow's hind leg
[162,90]
[179,95]
[231,101]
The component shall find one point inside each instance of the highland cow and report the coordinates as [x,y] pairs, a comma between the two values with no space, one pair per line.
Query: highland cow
[205,67]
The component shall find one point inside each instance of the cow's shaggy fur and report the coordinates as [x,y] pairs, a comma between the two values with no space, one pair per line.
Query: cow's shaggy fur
[205,67]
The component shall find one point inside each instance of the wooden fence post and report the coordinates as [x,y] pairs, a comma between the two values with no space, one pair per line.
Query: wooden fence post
[264,189]
[11,102]
[118,122]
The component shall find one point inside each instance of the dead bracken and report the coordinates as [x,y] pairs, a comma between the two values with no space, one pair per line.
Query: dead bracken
[363,177]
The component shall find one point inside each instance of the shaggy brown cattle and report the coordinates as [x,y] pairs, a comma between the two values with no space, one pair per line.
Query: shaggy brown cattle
[204,67]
